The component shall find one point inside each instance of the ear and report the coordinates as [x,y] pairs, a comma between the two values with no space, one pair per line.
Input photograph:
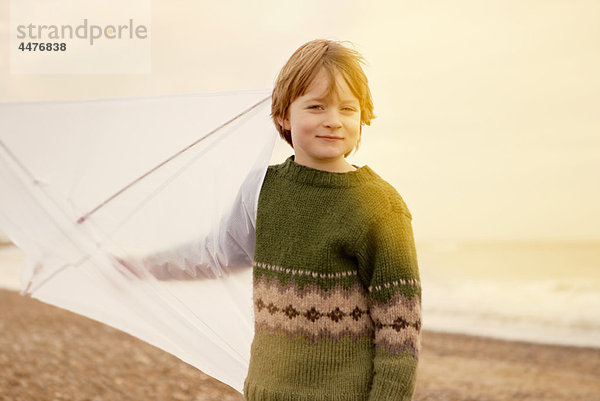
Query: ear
[284,123]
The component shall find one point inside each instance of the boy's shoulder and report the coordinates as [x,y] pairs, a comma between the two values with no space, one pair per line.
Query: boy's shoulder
[383,194]
[372,194]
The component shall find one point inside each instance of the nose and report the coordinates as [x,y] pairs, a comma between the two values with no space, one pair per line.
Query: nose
[332,119]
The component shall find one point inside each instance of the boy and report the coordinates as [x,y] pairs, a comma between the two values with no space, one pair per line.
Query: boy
[336,285]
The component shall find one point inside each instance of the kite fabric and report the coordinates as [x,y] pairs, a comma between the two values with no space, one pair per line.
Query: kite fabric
[140,213]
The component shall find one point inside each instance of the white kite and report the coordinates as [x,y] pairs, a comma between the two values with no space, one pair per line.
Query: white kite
[140,213]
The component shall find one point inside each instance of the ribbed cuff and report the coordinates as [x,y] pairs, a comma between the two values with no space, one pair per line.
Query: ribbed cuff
[387,391]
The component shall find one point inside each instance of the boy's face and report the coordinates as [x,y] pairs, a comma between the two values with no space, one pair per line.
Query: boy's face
[324,126]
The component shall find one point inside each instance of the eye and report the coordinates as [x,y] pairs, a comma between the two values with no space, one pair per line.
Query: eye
[316,107]
[349,108]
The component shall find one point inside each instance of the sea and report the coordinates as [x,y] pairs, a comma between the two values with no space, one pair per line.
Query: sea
[536,291]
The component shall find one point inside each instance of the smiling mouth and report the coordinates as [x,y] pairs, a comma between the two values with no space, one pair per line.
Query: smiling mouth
[329,137]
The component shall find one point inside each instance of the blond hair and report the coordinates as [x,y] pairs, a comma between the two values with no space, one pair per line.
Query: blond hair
[302,67]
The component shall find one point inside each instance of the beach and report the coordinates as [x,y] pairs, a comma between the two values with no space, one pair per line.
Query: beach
[47,353]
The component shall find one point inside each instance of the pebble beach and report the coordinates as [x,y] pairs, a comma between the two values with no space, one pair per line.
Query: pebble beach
[47,353]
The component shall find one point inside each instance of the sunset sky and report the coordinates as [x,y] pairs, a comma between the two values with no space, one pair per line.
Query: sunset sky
[488,112]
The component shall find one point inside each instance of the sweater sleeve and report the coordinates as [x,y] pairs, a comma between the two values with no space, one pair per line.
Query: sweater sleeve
[388,267]
[228,248]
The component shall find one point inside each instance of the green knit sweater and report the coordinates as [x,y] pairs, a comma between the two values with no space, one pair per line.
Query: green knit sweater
[337,295]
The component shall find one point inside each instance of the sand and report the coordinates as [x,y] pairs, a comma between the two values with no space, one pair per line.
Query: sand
[50,354]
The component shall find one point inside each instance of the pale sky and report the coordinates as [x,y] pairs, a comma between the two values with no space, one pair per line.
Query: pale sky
[488,121]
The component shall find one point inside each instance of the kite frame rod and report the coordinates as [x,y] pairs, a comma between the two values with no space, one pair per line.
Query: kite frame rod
[126,187]
[18,162]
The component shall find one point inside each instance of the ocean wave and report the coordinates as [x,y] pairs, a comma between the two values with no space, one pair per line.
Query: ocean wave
[555,311]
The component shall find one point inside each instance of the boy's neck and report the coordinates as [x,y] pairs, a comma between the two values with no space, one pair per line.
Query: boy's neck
[333,166]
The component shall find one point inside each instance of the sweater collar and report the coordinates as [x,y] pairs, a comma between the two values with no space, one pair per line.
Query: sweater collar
[321,178]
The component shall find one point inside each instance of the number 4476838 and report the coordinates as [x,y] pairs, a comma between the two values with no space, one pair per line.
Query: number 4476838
[42,47]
